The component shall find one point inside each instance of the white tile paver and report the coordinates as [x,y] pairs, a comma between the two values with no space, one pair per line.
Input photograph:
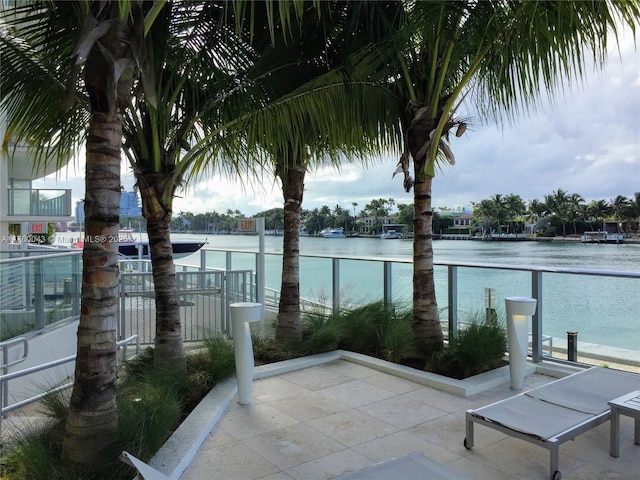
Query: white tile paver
[324,421]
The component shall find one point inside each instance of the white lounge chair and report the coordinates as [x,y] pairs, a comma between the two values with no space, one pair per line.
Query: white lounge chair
[554,413]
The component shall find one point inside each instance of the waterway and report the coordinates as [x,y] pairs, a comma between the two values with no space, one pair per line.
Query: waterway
[603,310]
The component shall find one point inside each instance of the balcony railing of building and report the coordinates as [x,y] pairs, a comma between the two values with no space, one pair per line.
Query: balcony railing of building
[39,202]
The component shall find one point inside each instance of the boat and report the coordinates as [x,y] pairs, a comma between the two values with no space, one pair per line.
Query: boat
[390,235]
[333,233]
[133,248]
[392,231]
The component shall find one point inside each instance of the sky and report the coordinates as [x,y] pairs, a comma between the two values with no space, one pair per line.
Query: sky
[587,142]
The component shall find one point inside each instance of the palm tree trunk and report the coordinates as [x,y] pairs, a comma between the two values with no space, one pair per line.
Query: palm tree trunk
[169,348]
[426,321]
[92,424]
[289,324]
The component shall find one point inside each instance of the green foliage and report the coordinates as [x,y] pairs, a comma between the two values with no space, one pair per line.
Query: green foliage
[371,329]
[208,367]
[148,412]
[479,347]
[151,404]
[33,460]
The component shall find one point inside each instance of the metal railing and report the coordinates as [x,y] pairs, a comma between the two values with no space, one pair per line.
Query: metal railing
[206,290]
[452,284]
[205,296]
[40,288]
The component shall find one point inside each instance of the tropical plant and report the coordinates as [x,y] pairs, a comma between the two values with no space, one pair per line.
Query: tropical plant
[94,49]
[478,347]
[559,206]
[515,209]
[597,211]
[117,40]
[500,55]
[308,114]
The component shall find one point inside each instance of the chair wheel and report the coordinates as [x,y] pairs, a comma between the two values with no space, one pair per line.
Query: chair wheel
[466,445]
[557,475]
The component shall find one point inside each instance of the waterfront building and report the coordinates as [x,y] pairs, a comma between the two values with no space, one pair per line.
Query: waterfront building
[25,210]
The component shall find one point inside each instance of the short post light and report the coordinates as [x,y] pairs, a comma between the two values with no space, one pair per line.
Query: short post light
[241,315]
[519,310]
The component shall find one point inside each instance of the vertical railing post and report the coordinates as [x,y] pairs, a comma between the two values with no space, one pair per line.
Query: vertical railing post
[203,259]
[38,294]
[452,301]
[388,285]
[27,283]
[536,320]
[75,275]
[123,304]
[335,283]
[228,262]
[224,296]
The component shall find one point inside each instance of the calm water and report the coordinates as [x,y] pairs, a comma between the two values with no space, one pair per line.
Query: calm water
[602,310]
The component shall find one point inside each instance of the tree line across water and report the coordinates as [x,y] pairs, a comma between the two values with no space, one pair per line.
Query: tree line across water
[558,213]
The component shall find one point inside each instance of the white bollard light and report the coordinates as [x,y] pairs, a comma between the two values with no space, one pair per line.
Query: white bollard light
[241,315]
[519,310]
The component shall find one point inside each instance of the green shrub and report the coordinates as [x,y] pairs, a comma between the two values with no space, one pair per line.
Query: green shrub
[32,459]
[148,412]
[478,347]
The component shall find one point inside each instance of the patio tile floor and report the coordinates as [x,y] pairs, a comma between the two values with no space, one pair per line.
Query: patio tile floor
[327,420]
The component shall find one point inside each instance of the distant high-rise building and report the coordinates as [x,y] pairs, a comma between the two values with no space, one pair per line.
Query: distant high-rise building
[130,205]
[80,211]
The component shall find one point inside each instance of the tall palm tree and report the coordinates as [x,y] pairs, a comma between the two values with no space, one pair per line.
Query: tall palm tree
[515,208]
[498,54]
[619,205]
[598,210]
[191,52]
[559,206]
[94,49]
[312,61]
[577,210]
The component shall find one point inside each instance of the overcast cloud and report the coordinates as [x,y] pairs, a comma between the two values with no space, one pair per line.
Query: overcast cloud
[587,143]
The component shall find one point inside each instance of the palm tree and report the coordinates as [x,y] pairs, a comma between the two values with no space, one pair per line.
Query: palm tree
[515,208]
[486,210]
[311,62]
[501,55]
[577,209]
[559,206]
[535,210]
[619,205]
[598,210]
[185,65]
[95,47]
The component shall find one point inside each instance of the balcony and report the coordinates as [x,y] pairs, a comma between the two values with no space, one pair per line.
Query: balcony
[28,203]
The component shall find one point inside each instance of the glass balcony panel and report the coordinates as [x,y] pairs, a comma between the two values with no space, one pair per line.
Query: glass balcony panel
[39,202]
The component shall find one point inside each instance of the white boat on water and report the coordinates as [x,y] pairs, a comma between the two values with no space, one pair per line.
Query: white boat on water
[390,235]
[333,233]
